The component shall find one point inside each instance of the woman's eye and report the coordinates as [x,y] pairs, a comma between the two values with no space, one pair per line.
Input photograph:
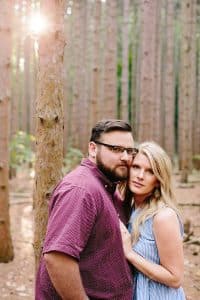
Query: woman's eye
[135,167]
[149,171]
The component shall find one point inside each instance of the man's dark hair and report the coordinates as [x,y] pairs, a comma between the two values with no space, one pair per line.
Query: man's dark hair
[109,125]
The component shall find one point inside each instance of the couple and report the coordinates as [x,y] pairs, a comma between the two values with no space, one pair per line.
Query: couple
[88,251]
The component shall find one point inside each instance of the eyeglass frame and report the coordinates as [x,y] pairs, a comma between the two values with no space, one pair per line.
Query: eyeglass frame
[118,149]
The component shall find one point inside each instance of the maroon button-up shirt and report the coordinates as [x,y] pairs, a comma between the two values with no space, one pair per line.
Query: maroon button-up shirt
[84,223]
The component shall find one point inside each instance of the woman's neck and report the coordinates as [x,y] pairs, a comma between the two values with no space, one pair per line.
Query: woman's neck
[139,200]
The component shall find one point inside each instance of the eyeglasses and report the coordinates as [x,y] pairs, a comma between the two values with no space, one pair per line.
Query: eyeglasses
[118,149]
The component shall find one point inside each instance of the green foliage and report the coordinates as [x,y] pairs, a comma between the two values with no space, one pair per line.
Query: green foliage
[72,159]
[20,149]
[196,161]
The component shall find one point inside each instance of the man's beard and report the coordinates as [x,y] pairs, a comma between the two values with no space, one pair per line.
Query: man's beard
[112,175]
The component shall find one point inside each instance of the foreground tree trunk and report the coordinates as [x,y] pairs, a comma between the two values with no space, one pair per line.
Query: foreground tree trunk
[49,116]
[6,248]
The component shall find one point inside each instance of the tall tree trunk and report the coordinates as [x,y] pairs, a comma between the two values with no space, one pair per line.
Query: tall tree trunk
[146,79]
[168,92]
[197,102]
[15,74]
[110,71]
[69,63]
[135,70]
[156,102]
[103,42]
[49,113]
[86,53]
[187,88]
[125,61]
[75,126]
[6,248]
[95,93]
[27,84]
[67,77]
[32,92]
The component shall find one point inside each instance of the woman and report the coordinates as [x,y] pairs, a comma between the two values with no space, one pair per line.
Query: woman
[154,246]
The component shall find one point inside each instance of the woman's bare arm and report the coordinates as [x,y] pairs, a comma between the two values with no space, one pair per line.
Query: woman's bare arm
[169,242]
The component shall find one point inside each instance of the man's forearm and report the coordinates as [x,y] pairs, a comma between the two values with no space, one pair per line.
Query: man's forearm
[65,276]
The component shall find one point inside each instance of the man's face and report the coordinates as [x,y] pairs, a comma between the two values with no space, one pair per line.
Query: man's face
[112,162]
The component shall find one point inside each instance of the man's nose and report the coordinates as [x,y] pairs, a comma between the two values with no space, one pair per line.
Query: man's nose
[125,156]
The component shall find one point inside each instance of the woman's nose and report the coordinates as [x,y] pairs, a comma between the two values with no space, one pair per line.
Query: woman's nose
[140,173]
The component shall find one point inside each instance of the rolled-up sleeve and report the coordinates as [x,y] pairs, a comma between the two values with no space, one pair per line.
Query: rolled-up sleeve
[70,222]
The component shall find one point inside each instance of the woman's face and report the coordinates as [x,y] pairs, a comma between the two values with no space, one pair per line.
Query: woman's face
[142,180]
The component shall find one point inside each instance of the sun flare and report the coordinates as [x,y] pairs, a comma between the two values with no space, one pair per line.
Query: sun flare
[37,24]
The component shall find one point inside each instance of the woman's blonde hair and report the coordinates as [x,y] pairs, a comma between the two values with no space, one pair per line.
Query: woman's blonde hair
[162,195]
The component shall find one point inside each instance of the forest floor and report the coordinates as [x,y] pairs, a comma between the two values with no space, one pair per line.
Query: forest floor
[17,277]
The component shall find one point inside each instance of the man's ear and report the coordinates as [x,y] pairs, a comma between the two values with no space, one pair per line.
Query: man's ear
[92,149]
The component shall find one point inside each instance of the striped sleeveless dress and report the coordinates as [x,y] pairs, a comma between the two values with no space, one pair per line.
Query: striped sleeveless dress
[145,288]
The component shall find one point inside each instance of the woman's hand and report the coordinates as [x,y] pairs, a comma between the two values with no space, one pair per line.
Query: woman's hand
[126,240]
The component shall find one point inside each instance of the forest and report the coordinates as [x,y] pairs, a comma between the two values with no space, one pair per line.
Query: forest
[66,64]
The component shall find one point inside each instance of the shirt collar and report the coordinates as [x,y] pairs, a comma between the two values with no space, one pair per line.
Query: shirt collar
[109,185]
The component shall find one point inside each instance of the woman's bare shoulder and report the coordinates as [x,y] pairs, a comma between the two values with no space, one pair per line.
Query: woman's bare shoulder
[165,215]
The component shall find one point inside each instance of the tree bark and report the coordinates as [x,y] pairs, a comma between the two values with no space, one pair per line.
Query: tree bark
[49,116]
[187,88]
[168,94]
[125,62]
[6,247]
[110,64]
[147,69]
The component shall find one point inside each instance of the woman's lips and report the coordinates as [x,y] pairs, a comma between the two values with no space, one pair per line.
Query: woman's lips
[137,184]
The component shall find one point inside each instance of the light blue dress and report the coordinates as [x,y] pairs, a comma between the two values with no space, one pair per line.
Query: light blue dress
[145,288]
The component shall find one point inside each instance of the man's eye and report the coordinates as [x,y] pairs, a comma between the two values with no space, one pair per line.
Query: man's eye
[129,150]
[117,149]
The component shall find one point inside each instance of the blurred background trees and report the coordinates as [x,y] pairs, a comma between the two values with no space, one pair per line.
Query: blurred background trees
[137,60]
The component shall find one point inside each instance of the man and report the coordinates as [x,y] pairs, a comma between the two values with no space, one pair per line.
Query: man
[83,254]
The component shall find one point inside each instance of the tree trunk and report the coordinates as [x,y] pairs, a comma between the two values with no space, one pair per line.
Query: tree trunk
[110,71]
[168,82]
[26,89]
[187,88]
[95,93]
[147,69]
[156,102]
[49,116]
[85,72]
[197,102]
[135,70]
[77,83]
[6,248]
[125,61]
